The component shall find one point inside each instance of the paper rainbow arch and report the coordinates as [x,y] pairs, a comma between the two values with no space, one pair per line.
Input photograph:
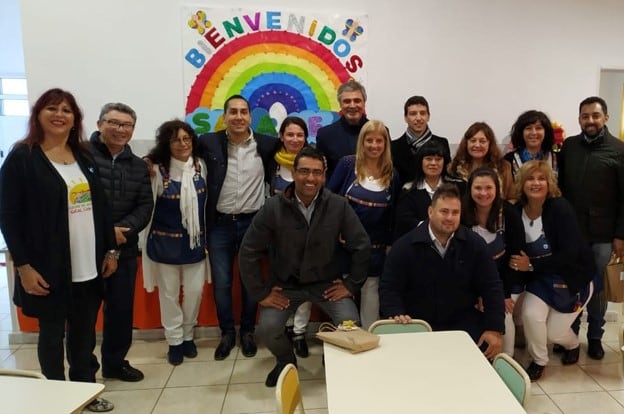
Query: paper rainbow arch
[268,67]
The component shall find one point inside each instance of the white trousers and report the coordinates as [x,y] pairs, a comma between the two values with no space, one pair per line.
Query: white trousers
[509,338]
[180,319]
[299,320]
[369,302]
[543,324]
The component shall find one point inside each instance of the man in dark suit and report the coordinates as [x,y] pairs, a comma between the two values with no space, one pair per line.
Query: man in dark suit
[236,160]
[404,149]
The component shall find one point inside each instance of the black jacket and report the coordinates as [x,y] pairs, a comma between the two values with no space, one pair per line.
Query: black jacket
[34,222]
[337,140]
[127,185]
[213,149]
[591,177]
[572,257]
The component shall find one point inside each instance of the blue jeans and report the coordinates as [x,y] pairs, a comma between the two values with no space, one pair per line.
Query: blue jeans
[223,243]
[272,320]
[597,306]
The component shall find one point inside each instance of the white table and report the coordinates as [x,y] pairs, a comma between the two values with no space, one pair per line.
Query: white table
[432,372]
[33,395]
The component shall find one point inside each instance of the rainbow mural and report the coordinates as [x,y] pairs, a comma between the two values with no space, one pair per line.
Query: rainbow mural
[291,71]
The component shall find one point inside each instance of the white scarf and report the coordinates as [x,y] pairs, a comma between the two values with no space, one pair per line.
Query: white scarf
[188,199]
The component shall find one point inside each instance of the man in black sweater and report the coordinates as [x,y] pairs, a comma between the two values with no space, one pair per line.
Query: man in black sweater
[127,184]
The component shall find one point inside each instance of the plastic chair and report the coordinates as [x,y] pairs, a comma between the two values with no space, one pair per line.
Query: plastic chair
[288,391]
[514,376]
[390,326]
[21,373]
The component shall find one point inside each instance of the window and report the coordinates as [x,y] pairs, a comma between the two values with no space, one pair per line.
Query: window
[13,97]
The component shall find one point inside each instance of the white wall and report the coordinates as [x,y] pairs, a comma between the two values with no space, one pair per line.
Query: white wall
[612,90]
[473,60]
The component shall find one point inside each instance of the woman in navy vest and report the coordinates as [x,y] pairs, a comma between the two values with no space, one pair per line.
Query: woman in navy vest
[371,184]
[175,252]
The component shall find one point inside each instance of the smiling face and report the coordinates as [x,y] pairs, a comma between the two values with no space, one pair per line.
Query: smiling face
[592,119]
[237,119]
[352,106]
[478,146]
[417,118]
[181,146]
[444,216]
[309,177]
[483,191]
[115,130]
[533,135]
[535,187]
[432,166]
[374,145]
[293,138]
[56,120]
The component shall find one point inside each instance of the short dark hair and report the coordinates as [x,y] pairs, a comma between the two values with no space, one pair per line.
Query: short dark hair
[594,99]
[289,120]
[310,152]
[446,190]
[161,153]
[527,118]
[434,146]
[117,106]
[415,100]
[241,97]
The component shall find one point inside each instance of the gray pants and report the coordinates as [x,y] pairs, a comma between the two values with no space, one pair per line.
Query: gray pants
[272,321]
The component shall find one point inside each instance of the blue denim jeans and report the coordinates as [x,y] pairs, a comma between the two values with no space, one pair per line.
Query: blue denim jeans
[223,243]
[272,320]
[597,306]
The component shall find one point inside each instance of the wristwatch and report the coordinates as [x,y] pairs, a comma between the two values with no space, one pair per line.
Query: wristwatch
[530,267]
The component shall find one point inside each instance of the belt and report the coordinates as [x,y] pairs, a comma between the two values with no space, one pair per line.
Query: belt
[234,217]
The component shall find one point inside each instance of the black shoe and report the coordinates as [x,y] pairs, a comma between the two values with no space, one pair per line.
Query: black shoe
[558,349]
[224,347]
[570,356]
[271,379]
[175,356]
[535,371]
[301,346]
[594,349]
[126,373]
[189,349]
[248,345]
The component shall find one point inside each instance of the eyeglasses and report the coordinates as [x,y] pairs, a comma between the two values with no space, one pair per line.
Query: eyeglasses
[308,171]
[116,124]
[186,140]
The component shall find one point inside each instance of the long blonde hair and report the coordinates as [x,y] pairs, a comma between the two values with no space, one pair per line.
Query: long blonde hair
[385,160]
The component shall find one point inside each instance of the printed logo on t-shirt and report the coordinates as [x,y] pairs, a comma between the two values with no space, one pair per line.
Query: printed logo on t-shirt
[79,197]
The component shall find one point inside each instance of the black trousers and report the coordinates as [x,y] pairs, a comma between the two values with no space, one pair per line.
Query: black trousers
[118,313]
[78,320]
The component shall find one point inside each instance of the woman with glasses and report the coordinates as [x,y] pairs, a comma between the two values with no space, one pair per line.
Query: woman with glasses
[558,262]
[293,136]
[500,226]
[370,183]
[478,148]
[59,230]
[175,250]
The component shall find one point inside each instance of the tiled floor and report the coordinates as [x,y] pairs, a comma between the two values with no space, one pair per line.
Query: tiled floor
[236,385]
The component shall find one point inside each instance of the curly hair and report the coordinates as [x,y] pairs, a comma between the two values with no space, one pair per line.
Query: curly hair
[161,153]
[461,166]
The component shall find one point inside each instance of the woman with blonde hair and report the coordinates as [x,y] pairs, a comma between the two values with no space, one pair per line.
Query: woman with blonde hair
[478,148]
[558,262]
[371,184]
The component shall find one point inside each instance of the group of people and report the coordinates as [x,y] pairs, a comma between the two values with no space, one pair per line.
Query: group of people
[362,225]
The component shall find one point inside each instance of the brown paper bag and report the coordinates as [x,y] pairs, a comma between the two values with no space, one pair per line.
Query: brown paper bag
[614,280]
[355,340]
